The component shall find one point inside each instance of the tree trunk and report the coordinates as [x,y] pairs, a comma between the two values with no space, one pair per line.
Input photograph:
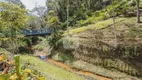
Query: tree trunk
[89,5]
[115,34]
[68,16]
[138,12]
[114,30]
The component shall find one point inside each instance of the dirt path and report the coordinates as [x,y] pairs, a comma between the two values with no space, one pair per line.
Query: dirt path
[68,68]
[77,71]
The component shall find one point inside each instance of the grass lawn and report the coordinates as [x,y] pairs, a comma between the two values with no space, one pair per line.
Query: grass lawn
[50,71]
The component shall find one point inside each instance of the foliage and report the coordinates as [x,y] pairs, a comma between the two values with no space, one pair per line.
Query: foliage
[12,19]
[18,41]
[54,23]
[65,57]
[83,13]
[39,12]
[32,22]
[14,73]
[43,43]
[114,74]
[87,12]
[98,25]
[12,16]
[78,10]
[118,7]
[48,70]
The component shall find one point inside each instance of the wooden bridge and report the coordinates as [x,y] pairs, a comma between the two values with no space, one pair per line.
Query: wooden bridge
[37,32]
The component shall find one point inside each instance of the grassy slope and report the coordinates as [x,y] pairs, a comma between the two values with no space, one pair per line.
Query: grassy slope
[103,24]
[50,71]
[98,25]
[126,28]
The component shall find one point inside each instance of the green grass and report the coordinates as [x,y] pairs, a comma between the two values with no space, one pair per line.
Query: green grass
[50,71]
[98,25]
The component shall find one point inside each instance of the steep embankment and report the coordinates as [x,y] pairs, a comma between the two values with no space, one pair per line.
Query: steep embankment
[96,49]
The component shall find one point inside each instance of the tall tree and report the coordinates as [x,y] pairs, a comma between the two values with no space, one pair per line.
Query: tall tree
[79,9]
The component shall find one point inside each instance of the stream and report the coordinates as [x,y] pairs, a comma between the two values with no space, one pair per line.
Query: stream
[68,68]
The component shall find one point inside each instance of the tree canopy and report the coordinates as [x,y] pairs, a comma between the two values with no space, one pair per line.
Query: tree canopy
[12,16]
[12,20]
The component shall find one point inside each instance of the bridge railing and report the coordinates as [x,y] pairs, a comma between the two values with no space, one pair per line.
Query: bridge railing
[42,31]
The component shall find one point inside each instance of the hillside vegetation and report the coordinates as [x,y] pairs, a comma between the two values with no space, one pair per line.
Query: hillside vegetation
[97,47]
[50,71]
[94,38]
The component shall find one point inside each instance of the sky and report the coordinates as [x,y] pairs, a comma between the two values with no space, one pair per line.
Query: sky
[30,4]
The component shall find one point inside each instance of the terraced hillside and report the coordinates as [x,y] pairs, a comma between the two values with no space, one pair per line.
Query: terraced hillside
[97,49]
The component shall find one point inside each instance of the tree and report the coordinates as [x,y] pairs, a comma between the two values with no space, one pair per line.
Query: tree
[12,16]
[54,24]
[12,19]
[115,5]
[78,9]
[40,12]
[138,12]
[33,22]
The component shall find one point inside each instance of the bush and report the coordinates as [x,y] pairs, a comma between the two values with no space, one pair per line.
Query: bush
[17,72]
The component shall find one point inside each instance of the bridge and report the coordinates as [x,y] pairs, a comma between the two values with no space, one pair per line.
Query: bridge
[37,32]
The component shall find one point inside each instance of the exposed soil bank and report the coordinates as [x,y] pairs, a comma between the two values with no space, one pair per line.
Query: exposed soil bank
[77,71]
